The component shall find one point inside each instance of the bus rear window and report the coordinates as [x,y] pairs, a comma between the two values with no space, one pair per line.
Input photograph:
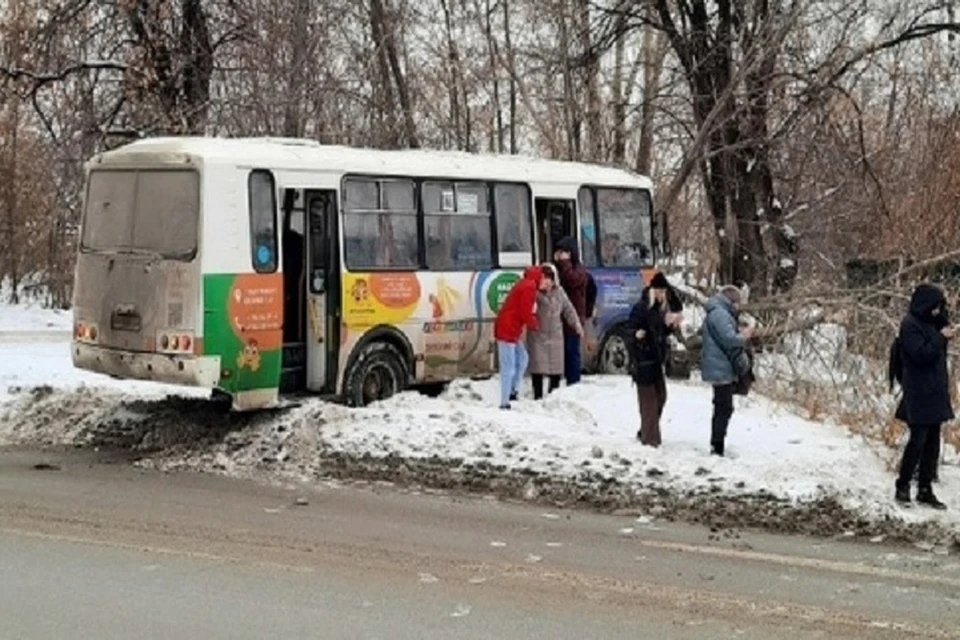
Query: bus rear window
[149,211]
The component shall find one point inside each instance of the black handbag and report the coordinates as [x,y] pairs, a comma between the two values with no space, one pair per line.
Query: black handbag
[744,382]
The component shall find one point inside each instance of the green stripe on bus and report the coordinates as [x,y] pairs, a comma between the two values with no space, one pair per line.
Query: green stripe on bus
[242,323]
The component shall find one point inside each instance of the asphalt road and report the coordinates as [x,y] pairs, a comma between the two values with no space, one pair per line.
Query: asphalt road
[96,549]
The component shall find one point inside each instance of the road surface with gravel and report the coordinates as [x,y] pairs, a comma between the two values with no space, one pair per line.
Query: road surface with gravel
[92,548]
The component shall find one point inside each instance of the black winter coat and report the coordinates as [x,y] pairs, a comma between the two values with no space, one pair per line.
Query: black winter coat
[648,356]
[926,384]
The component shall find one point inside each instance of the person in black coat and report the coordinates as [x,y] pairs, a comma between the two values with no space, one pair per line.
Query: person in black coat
[925,405]
[651,320]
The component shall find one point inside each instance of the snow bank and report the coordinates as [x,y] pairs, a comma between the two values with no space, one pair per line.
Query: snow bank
[582,437]
[593,427]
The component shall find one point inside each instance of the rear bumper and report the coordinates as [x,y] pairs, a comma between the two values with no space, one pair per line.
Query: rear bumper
[188,370]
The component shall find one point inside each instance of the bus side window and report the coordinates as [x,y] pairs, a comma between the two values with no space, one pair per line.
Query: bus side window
[262,197]
[457,221]
[380,224]
[514,226]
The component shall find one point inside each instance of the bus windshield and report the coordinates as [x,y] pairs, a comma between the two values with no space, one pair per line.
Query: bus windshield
[142,211]
[625,224]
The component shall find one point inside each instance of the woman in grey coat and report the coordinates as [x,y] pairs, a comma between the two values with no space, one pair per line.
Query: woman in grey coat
[546,344]
[723,359]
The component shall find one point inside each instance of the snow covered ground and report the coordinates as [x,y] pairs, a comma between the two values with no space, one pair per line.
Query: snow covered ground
[34,319]
[35,351]
[584,436]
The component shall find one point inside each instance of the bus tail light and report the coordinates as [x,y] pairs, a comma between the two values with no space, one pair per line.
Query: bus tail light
[86,332]
[175,342]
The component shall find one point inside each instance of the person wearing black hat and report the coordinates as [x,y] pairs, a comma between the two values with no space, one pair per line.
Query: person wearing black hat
[651,320]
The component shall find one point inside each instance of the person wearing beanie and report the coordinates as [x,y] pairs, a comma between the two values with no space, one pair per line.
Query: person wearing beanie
[723,358]
[650,322]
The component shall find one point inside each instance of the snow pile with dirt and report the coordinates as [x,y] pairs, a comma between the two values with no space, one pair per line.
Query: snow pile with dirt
[579,446]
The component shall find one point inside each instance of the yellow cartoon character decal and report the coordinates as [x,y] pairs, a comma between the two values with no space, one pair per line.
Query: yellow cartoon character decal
[250,356]
[359,291]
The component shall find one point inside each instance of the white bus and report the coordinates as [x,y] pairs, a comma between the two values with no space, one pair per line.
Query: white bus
[263,267]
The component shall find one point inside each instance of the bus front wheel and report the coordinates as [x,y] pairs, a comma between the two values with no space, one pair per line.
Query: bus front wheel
[378,373]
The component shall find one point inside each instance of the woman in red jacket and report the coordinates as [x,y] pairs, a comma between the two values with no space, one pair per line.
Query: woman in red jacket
[519,312]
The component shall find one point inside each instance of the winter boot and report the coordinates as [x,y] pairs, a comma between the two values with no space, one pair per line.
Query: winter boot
[514,396]
[716,449]
[903,495]
[926,497]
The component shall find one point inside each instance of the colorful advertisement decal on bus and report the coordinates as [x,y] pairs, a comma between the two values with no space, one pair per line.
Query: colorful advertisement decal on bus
[243,324]
[449,314]
[370,299]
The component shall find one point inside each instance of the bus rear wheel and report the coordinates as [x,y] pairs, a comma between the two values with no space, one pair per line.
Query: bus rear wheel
[378,373]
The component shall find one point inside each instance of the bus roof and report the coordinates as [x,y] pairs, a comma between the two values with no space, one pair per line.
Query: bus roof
[307,155]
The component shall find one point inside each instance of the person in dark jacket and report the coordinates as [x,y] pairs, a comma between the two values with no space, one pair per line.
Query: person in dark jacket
[925,405]
[574,280]
[723,359]
[518,313]
[648,326]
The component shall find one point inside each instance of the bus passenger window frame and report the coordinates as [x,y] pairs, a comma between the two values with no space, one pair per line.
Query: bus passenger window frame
[530,222]
[454,214]
[345,213]
[270,263]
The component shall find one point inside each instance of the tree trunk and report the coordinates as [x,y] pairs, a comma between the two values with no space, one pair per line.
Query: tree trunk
[454,78]
[571,117]
[592,83]
[513,81]
[383,89]
[494,70]
[197,46]
[735,137]
[653,54]
[293,124]
[13,251]
[619,99]
[393,58]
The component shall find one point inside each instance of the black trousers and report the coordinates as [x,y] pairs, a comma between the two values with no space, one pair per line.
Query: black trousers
[537,379]
[923,449]
[722,412]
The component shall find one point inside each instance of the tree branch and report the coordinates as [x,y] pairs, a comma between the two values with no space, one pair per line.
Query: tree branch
[38,79]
